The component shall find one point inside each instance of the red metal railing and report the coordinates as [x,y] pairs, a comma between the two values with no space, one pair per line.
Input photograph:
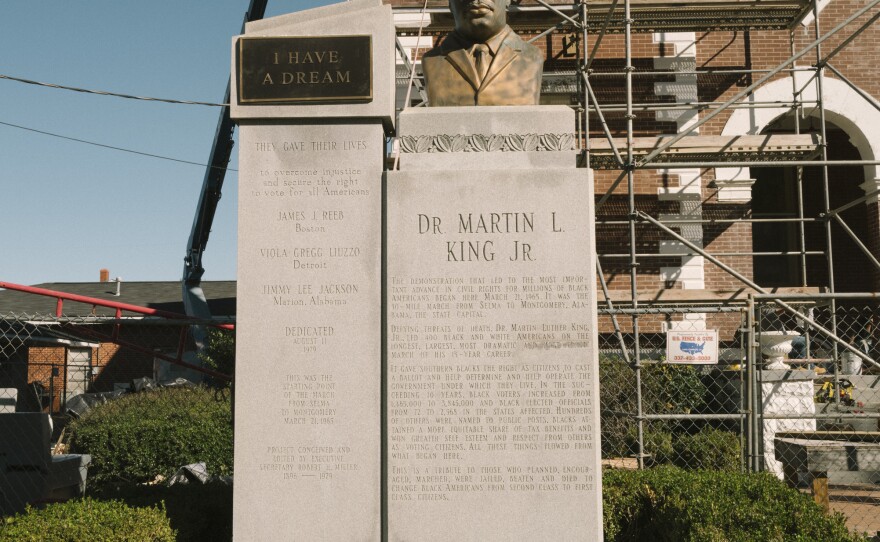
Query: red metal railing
[61,297]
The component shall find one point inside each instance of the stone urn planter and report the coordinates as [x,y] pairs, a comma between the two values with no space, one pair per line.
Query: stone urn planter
[775,345]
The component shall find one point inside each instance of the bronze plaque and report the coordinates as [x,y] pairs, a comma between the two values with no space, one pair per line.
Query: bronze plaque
[291,70]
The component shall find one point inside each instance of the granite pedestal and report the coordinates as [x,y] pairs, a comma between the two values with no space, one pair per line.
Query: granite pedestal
[492,380]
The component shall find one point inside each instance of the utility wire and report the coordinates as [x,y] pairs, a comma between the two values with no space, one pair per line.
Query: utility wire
[107,93]
[111,146]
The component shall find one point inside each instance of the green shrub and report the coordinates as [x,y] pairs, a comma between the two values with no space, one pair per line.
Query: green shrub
[139,436]
[710,449]
[87,519]
[672,389]
[658,444]
[666,389]
[219,352]
[197,512]
[670,504]
[617,386]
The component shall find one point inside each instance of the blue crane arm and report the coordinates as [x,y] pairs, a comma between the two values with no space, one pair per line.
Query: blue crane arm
[212,185]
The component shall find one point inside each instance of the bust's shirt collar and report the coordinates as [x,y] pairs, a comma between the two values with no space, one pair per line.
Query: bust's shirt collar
[494,42]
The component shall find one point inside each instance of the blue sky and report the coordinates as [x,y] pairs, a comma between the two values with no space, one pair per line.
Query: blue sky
[70,209]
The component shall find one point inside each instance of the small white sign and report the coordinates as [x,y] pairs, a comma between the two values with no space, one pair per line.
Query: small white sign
[693,347]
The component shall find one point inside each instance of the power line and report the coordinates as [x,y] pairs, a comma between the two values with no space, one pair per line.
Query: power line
[112,147]
[108,93]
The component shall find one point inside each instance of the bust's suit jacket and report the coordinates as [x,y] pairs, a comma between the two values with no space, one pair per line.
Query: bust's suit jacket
[514,77]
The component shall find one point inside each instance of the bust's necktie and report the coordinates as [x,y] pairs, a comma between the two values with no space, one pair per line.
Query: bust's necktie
[482,59]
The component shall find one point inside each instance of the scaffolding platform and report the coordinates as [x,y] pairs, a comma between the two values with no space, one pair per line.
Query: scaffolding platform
[700,149]
[674,296]
[647,15]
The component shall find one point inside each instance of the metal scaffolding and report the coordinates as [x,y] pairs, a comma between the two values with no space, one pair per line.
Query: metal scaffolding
[593,22]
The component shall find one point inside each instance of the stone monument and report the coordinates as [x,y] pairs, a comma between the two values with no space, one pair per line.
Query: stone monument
[313,96]
[492,365]
[492,369]
[473,413]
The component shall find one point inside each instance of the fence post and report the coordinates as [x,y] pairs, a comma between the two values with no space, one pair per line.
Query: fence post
[751,406]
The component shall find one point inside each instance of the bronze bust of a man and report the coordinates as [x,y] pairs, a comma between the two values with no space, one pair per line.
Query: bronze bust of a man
[483,62]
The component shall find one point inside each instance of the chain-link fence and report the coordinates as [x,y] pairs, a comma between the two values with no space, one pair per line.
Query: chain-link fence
[820,400]
[787,395]
[795,393]
[655,412]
